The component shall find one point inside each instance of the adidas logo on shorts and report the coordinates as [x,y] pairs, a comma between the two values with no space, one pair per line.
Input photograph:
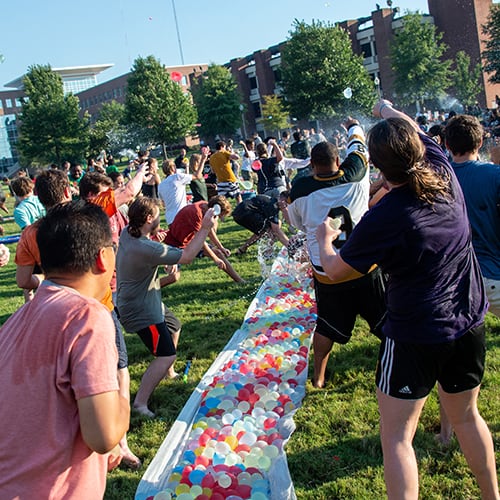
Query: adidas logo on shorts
[405,390]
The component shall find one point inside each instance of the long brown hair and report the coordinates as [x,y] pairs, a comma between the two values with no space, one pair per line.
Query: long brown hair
[397,151]
[138,213]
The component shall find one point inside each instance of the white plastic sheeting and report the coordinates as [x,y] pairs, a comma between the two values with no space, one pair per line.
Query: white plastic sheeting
[285,298]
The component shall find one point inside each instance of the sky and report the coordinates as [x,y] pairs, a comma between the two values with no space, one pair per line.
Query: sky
[73,33]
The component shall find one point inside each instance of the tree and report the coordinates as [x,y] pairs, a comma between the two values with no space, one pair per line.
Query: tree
[218,102]
[157,105]
[416,53]
[51,128]
[318,64]
[466,79]
[274,114]
[109,131]
[491,55]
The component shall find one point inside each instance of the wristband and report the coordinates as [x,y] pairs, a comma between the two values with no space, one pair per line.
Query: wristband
[385,105]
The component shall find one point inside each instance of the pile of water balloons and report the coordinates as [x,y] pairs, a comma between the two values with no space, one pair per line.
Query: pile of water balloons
[245,413]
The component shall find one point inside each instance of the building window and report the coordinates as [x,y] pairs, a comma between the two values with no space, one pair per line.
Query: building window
[18,102]
[184,80]
[1,104]
[8,103]
[277,75]
[253,82]
[256,109]
[366,49]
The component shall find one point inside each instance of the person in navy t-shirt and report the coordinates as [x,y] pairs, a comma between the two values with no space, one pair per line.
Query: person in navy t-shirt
[420,237]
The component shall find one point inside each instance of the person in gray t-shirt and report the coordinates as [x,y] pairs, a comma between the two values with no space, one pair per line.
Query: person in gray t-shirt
[139,290]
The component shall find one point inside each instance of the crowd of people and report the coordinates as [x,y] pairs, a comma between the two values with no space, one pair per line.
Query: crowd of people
[416,254]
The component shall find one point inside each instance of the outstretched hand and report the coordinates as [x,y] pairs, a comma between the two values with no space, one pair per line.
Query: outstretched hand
[349,122]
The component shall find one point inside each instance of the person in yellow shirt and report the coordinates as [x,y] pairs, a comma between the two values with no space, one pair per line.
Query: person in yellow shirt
[220,163]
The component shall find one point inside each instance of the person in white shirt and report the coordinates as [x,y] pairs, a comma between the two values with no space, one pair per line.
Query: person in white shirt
[172,190]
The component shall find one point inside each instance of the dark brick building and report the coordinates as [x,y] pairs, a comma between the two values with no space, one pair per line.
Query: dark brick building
[460,21]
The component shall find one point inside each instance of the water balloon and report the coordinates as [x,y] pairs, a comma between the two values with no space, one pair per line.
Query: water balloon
[347,92]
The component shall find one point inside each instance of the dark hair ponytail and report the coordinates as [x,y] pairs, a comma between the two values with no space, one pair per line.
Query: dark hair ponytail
[397,151]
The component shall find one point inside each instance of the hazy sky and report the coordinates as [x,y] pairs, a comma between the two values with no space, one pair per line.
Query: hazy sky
[72,33]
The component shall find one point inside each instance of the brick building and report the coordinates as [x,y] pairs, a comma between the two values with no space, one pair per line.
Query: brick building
[460,21]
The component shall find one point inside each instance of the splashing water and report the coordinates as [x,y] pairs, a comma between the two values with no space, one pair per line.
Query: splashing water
[267,251]
[448,103]
[298,257]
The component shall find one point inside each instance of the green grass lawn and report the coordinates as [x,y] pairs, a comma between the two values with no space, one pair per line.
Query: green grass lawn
[335,451]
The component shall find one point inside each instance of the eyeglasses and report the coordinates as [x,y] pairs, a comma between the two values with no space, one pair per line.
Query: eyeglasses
[112,245]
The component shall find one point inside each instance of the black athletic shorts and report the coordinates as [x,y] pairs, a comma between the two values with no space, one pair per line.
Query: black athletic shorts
[410,371]
[339,304]
[158,338]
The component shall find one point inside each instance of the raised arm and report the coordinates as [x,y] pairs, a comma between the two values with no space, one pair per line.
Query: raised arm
[128,192]
[383,109]
[244,146]
[198,173]
[356,163]
[276,150]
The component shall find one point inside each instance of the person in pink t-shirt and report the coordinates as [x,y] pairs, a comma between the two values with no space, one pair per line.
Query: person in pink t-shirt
[64,411]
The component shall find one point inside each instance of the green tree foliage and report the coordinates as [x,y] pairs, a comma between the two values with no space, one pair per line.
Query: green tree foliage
[109,131]
[466,79]
[51,128]
[318,64]
[491,54]
[218,102]
[157,105]
[274,114]
[416,59]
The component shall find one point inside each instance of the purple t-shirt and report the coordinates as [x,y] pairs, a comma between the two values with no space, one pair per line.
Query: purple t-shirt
[435,291]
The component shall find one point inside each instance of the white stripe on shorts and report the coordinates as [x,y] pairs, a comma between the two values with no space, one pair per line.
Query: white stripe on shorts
[386,366]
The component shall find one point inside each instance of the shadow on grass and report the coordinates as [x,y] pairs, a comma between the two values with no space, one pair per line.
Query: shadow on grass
[326,463]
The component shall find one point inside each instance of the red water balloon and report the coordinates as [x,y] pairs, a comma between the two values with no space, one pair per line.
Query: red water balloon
[176,76]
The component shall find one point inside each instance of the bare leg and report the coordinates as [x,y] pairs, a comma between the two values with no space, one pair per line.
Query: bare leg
[321,346]
[474,438]
[171,373]
[128,458]
[446,431]
[398,423]
[155,372]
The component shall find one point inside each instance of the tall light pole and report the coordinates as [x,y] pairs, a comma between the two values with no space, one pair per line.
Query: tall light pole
[178,34]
